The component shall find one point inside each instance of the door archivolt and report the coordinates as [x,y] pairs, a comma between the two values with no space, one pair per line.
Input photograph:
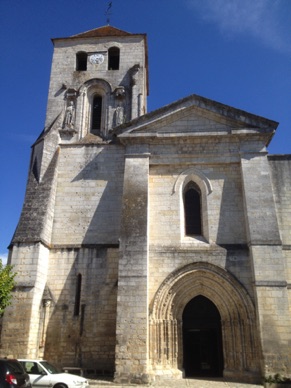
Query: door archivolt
[238,324]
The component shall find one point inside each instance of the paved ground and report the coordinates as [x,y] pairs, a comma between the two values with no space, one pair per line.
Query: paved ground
[184,383]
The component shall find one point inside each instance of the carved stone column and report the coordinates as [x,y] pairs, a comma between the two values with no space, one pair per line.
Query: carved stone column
[136,98]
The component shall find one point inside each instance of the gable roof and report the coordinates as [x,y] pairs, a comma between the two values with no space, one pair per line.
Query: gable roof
[101,32]
[195,116]
[161,120]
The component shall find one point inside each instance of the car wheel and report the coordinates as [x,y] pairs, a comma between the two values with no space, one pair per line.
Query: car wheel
[60,386]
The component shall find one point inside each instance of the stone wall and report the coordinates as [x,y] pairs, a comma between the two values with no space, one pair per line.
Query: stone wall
[22,319]
[281,182]
[65,76]
[224,214]
[88,200]
[88,338]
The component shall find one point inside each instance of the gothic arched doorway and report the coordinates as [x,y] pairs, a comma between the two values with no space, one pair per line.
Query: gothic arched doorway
[202,344]
[235,312]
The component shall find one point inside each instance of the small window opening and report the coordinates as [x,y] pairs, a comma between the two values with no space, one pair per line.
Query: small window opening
[81,61]
[78,296]
[113,58]
[96,114]
[192,210]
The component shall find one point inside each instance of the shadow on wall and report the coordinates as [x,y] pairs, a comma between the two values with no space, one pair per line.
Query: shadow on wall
[82,325]
[231,222]
[231,230]
[96,208]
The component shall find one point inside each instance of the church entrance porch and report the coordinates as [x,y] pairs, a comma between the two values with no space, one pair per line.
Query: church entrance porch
[202,323]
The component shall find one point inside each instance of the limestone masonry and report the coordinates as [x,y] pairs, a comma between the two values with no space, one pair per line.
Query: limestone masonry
[150,245]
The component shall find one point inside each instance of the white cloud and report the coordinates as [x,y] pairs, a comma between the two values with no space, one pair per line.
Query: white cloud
[3,257]
[264,20]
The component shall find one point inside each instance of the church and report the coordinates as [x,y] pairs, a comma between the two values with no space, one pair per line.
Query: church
[150,245]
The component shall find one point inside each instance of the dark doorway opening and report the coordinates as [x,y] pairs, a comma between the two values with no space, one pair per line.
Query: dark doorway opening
[202,342]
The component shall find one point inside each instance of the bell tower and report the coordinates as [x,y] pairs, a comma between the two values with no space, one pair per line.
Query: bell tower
[98,81]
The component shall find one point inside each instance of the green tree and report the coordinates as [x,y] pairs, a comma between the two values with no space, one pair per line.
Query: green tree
[6,285]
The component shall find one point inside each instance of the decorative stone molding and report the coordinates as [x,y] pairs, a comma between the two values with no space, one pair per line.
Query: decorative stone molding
[240,343]
[192,173]
[119,93]
[70,111]
[271,283]
[204,184]
[87,91]
[134,74]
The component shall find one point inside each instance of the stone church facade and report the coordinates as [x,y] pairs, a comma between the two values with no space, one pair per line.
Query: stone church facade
[150,245]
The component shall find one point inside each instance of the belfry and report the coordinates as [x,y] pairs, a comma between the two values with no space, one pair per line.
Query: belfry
[150,245]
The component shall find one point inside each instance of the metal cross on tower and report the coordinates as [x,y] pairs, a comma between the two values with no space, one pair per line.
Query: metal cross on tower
[108,12]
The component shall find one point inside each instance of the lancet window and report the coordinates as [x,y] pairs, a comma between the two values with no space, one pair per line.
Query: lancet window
[96,114]
[78,295]
[192,209]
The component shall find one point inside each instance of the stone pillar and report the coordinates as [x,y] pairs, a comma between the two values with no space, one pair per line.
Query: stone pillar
[132,300]
[267,264]
[135,98]
[21,322]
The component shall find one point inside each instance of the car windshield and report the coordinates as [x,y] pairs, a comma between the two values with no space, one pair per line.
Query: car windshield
[49,367]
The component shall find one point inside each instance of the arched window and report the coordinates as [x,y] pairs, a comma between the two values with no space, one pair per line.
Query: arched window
[78,295]
[192,209]
[113,58]
[96,114]
[81,61]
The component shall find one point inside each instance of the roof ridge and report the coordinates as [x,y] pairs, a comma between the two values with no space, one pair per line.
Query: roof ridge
[106,30]
[101,32]
[194,100]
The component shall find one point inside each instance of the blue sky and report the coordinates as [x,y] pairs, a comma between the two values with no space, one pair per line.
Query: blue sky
[237,52]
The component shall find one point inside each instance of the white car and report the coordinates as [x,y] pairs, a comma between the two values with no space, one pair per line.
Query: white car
[42,374]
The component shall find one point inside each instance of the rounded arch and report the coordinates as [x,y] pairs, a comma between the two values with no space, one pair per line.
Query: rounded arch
[96,83]
[89,90]
[239,335]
